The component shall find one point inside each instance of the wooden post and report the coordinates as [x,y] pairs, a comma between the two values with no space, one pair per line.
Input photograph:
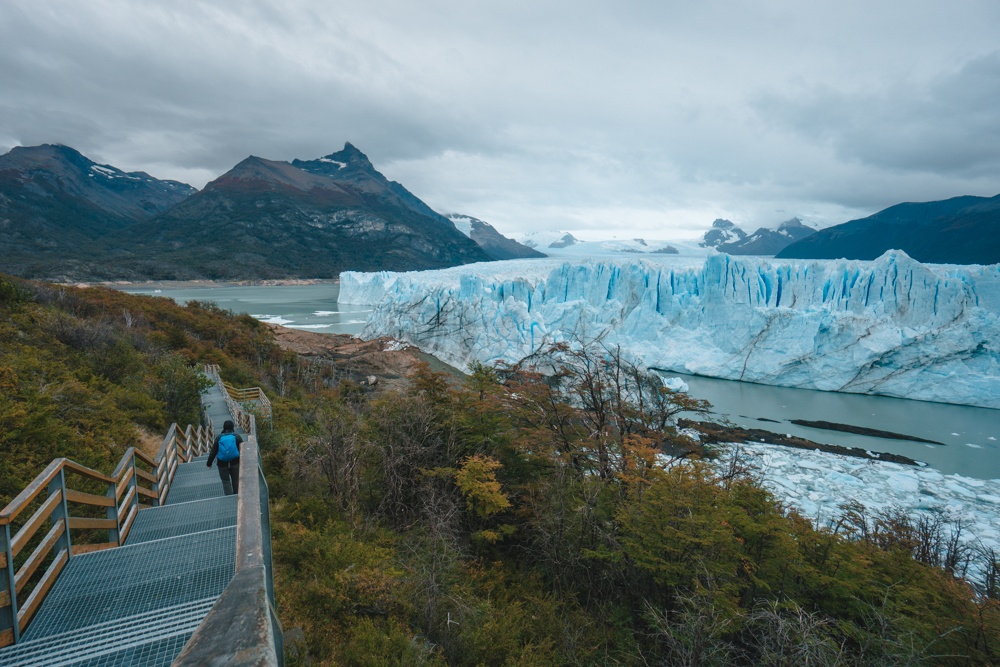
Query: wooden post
[58,485]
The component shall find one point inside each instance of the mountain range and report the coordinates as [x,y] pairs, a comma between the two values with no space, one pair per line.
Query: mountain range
[55,204]
[65,217]
[726,237]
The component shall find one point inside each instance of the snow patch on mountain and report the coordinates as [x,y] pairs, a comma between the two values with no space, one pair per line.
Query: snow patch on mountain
[892,326]
[462,223]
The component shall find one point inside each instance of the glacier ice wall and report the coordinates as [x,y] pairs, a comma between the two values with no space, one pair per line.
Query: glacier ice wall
[892,326]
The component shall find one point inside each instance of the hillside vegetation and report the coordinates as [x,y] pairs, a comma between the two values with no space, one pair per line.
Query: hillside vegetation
[516,518]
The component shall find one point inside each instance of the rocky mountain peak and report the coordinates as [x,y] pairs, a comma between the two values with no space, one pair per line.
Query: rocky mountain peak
[791,224]
[351,157]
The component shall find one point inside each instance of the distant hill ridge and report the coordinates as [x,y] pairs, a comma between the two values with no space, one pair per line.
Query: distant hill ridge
[55,204]
[495,244]
[960,230]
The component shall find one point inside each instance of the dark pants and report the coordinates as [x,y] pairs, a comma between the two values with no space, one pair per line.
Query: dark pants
[229,472]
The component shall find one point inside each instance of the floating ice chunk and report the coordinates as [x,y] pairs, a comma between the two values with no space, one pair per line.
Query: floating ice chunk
[675,384]
[841,478]
[817,483]
[274,319]
[960,490]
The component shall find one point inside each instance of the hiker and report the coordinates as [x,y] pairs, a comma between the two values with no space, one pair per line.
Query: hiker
[227,448]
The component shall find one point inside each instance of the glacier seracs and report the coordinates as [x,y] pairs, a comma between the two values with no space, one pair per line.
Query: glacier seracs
[892,326]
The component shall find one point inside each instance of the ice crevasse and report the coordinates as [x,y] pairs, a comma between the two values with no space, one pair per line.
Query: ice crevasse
[891,326]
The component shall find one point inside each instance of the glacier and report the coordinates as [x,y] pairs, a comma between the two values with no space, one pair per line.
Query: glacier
[891,326]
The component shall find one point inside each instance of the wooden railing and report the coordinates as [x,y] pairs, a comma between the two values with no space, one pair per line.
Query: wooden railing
[242,402]
[179,447]
[138,481]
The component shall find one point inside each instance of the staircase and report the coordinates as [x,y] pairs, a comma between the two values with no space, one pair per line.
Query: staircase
[141,603]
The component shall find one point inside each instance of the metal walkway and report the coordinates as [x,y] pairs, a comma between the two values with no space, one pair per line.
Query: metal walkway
[140,603]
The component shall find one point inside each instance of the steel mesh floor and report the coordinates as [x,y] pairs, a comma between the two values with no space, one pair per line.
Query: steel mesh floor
[214,403]
[139,604]
[153,638]
[159,653]
[194,481]
[157,523]
[135,579]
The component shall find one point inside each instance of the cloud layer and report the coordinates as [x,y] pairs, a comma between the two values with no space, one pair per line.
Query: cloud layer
[649,119]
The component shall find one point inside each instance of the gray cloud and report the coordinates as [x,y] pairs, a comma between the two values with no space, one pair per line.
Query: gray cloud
[645,118]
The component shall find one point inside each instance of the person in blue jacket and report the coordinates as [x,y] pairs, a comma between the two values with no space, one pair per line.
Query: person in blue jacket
[226,449]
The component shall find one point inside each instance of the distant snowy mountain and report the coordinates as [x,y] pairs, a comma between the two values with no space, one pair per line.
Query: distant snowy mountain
[548,240]
[495,244]
[892,326]
[766,241]
[723,232]
[726,237]
[564,244]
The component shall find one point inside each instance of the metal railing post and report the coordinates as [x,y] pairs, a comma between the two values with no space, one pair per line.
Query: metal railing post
[115,534]
[8,618]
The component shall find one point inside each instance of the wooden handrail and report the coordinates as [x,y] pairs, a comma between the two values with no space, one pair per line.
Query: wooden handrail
[235,397]
[250,589]
[30,492]
[126,486]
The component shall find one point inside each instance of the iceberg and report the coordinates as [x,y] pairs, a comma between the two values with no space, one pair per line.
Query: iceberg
[891,326]
[818,483]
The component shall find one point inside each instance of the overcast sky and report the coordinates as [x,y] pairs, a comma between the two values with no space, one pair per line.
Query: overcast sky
[606,119]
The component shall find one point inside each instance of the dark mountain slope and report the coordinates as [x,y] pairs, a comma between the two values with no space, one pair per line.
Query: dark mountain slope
[54,202]
[961,230]
[496,245]
[268,219]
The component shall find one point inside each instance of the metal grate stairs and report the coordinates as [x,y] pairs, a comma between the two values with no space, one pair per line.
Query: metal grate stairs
[139,604]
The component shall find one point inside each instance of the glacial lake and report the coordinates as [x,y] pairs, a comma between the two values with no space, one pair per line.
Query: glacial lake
[311,307]
[971,435]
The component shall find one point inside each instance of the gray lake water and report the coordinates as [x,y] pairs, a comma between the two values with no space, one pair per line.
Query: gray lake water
[971,435]
[311,307]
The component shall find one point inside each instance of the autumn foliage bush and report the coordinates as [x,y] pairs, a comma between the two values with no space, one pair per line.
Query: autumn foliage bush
[553,515]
